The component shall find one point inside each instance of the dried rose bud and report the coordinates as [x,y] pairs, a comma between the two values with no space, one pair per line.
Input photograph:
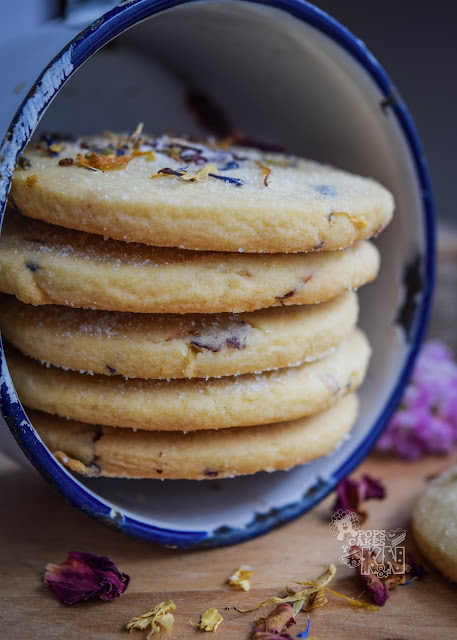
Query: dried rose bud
[85,576]
[352,494]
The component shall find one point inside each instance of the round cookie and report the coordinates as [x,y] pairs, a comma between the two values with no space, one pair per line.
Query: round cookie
[177,346]
[44,264]
[122,453]
[207,198]
[187,405]
[435,522]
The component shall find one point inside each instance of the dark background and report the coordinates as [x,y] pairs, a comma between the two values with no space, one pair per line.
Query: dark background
[416,42]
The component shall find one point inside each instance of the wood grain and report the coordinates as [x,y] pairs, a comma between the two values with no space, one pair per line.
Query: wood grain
[39,527]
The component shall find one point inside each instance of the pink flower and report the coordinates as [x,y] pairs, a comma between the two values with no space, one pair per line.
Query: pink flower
[426,421]
[85,576]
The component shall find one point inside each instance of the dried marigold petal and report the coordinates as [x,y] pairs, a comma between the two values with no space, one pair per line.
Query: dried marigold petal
[102,162]
[209,621]
[85,576]
[266,171]
[201,174]
[31,180]
[360,222]
[240,579]
[158,618]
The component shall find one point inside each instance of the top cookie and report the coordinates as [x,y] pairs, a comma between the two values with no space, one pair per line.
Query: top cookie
[172,192]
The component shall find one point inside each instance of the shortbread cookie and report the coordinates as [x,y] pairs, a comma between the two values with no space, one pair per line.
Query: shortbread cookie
[175,193]
[177,346]
[122,453]
[435,523]
[44,264]
[186,405]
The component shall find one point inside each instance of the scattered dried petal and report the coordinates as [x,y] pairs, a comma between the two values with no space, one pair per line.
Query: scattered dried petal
[31,180]
[321,582]
[201,174]
[101,162]
[240,579]
[370,571]
[85,576]
[359,222]
[158,618]
[209,621]
[24,163]
[314,600]
[266,171]
[305,632]
[354,602]
[65,162]
[352,494]
[280,618]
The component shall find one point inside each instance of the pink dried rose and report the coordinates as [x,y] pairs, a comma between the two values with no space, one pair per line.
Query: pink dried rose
[352,494]
[426,420]
[85,576]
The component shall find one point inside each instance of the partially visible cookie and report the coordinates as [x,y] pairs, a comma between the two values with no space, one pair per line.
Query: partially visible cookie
[44,264]
[435,522]
[178,193]
[177,346]
[122,453]
[187,405]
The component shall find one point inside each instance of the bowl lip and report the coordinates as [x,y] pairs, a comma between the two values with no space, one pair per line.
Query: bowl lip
[77,51]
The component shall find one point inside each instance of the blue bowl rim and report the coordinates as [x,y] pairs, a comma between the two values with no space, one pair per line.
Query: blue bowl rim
[90,40]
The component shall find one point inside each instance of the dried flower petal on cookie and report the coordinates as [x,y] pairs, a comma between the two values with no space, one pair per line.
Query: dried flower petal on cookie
[85,576]
[240,579]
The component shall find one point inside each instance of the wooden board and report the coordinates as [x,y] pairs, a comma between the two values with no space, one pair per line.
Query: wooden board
[38,527]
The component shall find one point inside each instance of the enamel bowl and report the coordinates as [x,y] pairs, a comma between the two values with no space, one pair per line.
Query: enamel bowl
[285,72]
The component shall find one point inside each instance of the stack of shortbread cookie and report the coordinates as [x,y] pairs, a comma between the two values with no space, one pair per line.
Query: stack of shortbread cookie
[162,313]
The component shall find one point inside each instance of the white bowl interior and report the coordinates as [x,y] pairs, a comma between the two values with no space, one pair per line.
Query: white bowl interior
[280,80]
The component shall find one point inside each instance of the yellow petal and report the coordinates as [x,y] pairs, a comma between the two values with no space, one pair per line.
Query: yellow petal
[209,621]
[201,174]
[158,618]
[323,580]
[240,579]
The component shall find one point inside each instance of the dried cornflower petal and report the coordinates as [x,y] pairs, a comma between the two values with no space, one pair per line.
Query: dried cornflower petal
[158,618]
[209,621]
[305,632]
[240,579]
[352,494]
[85,576]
